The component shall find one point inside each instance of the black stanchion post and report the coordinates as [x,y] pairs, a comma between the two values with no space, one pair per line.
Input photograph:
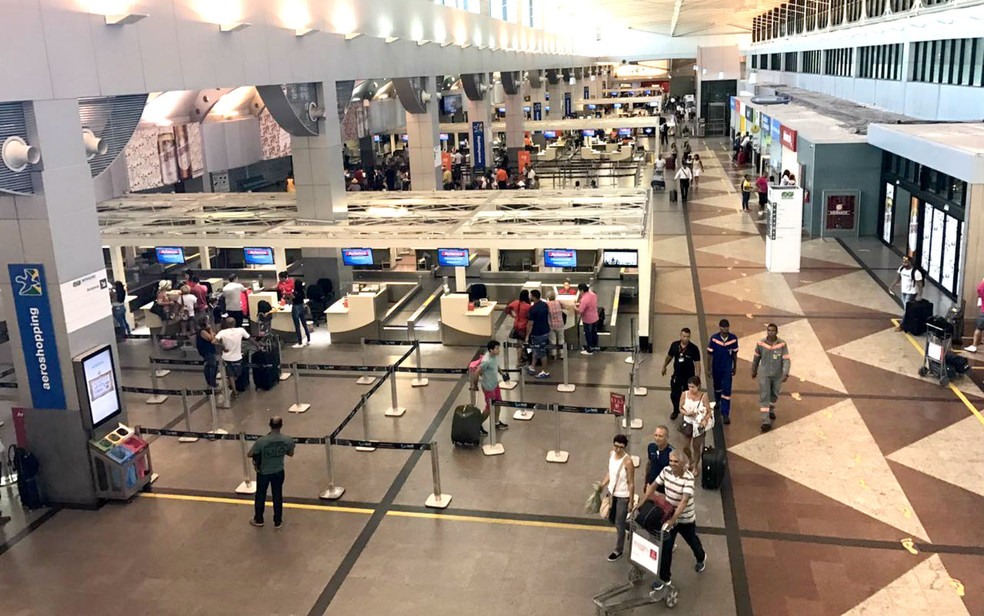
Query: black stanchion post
[248,486]
[365,424]
[522,414]
[187,419]
[365,379]
[437,500]
[155,398]
[215,415]
[506,385]
[566,387]
[395,410]
[332,492]
[557,455]
[492,448]
[298,406]
[421,380]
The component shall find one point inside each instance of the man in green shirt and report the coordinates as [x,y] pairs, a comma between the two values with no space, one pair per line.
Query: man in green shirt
[487,376]
[268,457]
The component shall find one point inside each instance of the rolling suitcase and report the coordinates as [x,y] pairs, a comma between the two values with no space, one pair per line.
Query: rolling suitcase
[673,196]
[266,370]
[654,512]
[917,312]
[466,426]
[712,468]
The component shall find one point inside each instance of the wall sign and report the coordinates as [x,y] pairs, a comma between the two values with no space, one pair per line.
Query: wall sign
[86,300]
[788,137]
[567,104]
[537,112]
[587,92]
[841,211]
[37,333]
[478,145]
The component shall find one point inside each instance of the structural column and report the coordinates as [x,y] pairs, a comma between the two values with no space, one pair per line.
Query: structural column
[319,171]
[515,134]
[423,133]
[56,290]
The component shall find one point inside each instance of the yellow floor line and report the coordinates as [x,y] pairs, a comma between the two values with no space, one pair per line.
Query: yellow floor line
[505,521]
[237,501]
[953,388]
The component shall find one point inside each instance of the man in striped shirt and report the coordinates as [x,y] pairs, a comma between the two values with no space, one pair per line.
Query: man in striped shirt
[679,485]
[772,358]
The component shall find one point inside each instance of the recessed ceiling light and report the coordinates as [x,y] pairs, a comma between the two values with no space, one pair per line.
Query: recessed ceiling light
[124,19]
[233,26]
[301,32]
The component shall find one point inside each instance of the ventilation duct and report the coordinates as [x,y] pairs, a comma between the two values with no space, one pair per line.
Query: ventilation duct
[17,154]
[13,127]
[108,123]
[290,105]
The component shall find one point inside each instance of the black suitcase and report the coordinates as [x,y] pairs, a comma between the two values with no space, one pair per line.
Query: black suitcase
[712,468]
[917,312]
[957,364]
[466,426]
[266,369]
[651,517]
[242,381]
[673,196]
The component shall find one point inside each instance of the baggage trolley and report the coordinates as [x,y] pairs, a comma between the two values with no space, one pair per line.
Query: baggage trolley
[645,549]
[939,342]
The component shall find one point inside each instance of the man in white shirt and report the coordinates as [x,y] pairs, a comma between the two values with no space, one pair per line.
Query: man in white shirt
[232,292]
[910,283]
[230,339]
[683,177]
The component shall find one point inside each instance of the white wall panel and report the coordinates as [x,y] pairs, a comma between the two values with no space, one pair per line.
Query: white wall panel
[72,66]
[20,25]
[961,103]
[117,56]
[921,100]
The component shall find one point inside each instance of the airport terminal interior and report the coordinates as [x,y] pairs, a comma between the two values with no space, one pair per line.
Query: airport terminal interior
[466,256]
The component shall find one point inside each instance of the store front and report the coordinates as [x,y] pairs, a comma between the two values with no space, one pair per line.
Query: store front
[923,215]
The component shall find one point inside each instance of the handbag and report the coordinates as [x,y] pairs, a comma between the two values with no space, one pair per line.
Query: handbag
[606,506]
[687,428]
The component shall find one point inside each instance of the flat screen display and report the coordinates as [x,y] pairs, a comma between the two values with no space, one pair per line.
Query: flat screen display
[258,256]
[405,138]
[375,138]
[654,104]
[526,109]
[444,136]
[620,258]
[550,134]
[617,105]
[559,257]
[452,257]
[588,132]
[170,255]
[357,256]
[649,131]
[100,383]
[625,132]
[592,107]
[451,104]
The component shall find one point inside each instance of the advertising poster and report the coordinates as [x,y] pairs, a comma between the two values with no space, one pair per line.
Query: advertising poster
[86,300]
[537,112]
[927,236]
[914,227]
[168,155]
[617,404]
[37,334]
[568,108]
[889,214]
[478,145]
[936,253]
[948,276]
[841,212]
[182,151]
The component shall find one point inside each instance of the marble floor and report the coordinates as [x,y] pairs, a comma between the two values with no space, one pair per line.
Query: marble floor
[864,499]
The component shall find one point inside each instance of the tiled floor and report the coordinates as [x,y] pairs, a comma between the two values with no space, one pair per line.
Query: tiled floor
[865,457]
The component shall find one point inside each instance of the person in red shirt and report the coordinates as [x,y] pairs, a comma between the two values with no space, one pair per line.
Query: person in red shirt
[201,295]
[502,177]
[979,327]
[762,185]
[519,310]
[587,307]
[285,287]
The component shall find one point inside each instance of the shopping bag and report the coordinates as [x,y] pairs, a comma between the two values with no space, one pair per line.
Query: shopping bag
[593,504]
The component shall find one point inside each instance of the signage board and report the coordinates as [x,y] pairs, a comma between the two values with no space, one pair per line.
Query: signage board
[357,256]
[37,334]
[568,106]
[537,112]
[559,257]
[452,257]
[86,300]
[170,255]
[478,145]
[616,404]
[645,553]
[841,212]
[788,138]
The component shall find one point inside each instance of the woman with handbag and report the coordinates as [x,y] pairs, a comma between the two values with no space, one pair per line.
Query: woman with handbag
[297,314]
[698,418]
[620,486]
[519,310]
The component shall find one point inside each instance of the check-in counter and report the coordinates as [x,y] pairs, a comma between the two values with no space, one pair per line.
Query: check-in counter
[362,318]
[282,321]
[567,302]
[464,327]
[150,319]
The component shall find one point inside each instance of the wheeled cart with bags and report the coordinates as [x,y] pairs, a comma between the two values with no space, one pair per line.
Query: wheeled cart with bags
[645,549]
[939,337]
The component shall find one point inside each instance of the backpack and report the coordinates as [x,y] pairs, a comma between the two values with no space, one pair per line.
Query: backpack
[601,317]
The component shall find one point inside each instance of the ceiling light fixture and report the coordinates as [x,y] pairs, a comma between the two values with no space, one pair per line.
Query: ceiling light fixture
[124,19]
[446,44]
[302,32]
[466,45]
[352,35]
[392,39]
[233,26]
[422,42]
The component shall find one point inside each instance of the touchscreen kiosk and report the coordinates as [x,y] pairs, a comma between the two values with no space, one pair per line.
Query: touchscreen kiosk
[357,256]
[452,257]
[258,256]
[170,255]
[620,258]
[95,378]
[559,257]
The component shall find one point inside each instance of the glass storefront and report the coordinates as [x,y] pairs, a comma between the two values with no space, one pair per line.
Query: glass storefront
[922,214]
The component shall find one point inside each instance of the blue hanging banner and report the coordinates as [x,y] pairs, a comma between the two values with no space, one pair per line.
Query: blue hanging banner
[587,92]
[567,104]
[537,112]
[478,145]
[37,333]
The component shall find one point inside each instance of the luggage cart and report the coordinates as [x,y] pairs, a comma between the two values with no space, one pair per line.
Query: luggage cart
[939,342]
[645,549]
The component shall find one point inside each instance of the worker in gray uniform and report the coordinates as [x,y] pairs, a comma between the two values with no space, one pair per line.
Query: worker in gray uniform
[770,366]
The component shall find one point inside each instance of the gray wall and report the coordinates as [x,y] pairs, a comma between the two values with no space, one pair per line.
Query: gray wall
[855,166]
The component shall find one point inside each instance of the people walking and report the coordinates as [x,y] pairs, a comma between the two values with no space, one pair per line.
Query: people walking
[487,378]
[658,454]
[678,482]
[697,420]
[910,282]
[722,351]
[770,365]
[587,308]
[268,457]
[297,312]
[683,177]
[685,357]
[698,169]
[620,484]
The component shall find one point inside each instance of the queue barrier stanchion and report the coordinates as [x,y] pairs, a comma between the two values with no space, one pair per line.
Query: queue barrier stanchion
[298,406]
[506,385]
[187,419]
[420,380]
[395,410]
[365,426]
[523,414]
[566,387]
[248,486]
[557,455]
[493,448]
[224,383]
[332,492]
[365,379]
[438,499]
[631,421]
[631,359]
[155,398]
[154,346]
[215,415]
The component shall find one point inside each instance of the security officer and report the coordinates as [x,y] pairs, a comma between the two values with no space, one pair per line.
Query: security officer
[723,352]
[685,357]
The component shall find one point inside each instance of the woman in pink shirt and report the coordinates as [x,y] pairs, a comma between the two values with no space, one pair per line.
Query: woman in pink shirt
[519,310]
[587,308]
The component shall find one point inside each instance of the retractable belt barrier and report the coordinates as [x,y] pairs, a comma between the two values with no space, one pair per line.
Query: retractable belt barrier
[164,392]
[8,385]
[6,372]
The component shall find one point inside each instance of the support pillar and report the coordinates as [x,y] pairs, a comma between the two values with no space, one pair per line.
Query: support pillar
[49,240]
[515,135]
[116,263]
[493,259]
[280,259]
[423,132]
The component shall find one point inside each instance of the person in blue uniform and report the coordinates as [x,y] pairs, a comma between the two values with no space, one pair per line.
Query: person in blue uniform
[723,352]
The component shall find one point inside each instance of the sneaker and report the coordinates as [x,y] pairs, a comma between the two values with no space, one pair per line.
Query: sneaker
[543,374]
[531,370]
[726,420]
[297,345]
[674,415]
[699,567]
[256,524]
[587,353]
[766,427]
[657,586]
[500,426]
[614,556]
[772,415]
[970,349]
[483,431]
[279,524]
